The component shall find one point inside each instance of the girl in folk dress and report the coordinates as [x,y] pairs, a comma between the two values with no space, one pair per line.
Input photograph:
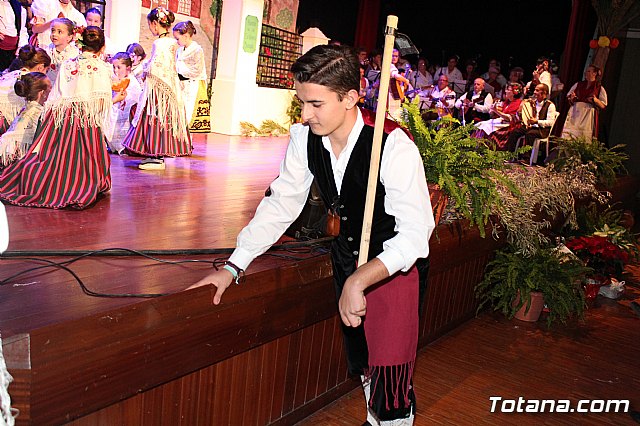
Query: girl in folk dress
[62,45]
[67,164]
[120,111]
[137,54]
[191,72]
[159,127]
[35,88]
[32,59]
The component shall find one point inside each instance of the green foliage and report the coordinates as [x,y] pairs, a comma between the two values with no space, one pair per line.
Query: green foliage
[553,273]
[465,168]
[294,111]
[215,8]
[267,128]
[608,162]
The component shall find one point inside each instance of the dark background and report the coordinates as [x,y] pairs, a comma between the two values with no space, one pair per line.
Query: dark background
[516,32]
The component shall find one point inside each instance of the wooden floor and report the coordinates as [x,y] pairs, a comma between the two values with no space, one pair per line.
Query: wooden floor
[201,202]
[491,356]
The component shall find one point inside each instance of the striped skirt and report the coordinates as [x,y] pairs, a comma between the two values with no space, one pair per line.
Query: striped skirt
[64,167]
[153,138]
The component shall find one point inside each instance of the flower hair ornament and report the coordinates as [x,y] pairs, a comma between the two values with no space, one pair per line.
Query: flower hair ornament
[163,16]
[79,35]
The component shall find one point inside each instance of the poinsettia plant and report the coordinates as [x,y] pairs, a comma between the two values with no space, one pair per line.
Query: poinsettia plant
[598,252]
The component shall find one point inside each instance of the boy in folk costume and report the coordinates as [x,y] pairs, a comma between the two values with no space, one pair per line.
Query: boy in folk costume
[159,127]
[378,301]
[67,165]
[193,77]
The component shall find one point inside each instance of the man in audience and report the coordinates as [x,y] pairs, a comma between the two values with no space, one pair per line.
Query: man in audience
[538,115]
[454,75]
[475,105]
[494,63]
[440,97]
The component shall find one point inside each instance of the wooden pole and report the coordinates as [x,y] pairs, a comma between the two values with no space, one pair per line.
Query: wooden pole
[381,113]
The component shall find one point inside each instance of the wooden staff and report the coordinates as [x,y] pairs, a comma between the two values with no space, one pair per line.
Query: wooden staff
[381,112]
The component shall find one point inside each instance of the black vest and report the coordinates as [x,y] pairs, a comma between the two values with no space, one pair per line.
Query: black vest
[351,202]
[472,113]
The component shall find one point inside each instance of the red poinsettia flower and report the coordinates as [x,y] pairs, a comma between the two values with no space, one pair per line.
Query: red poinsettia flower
[597,252]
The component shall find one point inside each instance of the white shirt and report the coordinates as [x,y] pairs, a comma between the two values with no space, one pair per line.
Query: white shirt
[551,113]
[401,173]
[456,82]
[484,107]
[7,19]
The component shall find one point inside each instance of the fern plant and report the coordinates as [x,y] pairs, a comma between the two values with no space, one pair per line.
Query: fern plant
[556,275]
[608,162]
[465,168]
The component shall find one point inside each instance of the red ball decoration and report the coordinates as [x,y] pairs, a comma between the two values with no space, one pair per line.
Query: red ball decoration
[614,43]
[593,44]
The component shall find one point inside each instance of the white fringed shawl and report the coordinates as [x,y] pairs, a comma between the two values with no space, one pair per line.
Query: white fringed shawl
[19,137]
[161,94]
[10,103]
[82,90]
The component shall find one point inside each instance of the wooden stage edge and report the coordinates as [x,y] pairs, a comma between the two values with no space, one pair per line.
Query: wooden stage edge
[271,353]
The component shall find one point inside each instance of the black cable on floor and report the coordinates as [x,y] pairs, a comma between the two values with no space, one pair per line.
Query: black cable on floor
[318,246]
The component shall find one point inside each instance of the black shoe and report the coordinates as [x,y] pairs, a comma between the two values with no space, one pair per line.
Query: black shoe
[635,306]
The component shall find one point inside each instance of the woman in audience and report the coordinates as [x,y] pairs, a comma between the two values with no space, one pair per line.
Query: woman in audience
[586,98]
[505,117]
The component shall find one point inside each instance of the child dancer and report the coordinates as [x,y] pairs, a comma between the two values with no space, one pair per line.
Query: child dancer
[159,127]
[137,54]
[67,164]
[30,59]
[62,45]
[120,111]
[193,75]
[45,11]
[35,88]
[94,18]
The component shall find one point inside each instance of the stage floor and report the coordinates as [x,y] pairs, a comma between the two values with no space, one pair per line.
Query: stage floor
[198,202]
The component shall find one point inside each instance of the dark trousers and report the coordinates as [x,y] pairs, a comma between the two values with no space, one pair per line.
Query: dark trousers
[6,57]
[529,134]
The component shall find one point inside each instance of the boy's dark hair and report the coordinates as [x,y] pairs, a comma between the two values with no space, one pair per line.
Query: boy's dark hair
[332,66]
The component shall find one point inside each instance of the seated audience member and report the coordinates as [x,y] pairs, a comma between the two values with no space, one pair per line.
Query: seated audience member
[540,75]
[363,56]
[475,105]
[494,63]
[441,98]
[515,75]
[586,98]
[454,76]
[469,74]
[492,84]
[537,114]
[420,78]
[30,59]
[504,117]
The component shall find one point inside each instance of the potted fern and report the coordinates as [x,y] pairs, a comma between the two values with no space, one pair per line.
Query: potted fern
[466,169]
[511,278]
